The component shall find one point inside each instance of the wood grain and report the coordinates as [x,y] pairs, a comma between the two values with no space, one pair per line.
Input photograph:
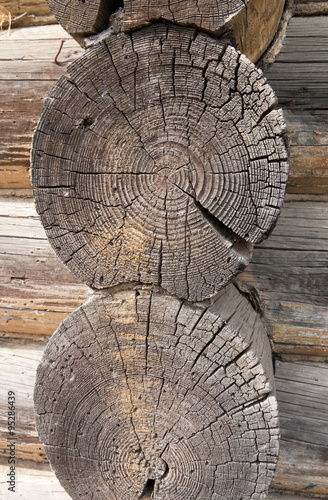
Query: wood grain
[28,73]
[14,13]
[39,477]
[289,270]
[23,91]
[302,466]
[140,394]
[167,174]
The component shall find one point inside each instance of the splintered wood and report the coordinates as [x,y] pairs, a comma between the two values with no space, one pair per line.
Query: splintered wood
[142,395]
[159,160]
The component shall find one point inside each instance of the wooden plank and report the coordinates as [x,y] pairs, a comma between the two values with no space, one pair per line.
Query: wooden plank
[302,466]
[299,77]
[289,270]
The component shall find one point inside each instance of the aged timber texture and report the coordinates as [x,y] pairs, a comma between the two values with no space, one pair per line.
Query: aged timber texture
[249,24]
[142,395]
[161,159]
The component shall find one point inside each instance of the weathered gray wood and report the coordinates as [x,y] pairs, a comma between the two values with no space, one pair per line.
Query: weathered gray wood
[28,73]
[140,392]
[290,272]
[22,99]
[84,17]
[299,76]
[162,166]
[251,24]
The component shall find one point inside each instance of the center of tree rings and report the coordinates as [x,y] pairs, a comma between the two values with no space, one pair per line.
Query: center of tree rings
[173,156]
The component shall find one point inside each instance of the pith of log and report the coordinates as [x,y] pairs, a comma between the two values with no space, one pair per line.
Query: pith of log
[250,24]
[141,394]
[162,166]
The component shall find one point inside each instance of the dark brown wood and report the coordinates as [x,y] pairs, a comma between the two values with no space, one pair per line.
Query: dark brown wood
[160,160]
[139,392]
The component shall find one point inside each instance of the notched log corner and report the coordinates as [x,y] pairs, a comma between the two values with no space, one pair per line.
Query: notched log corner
[142,395]
[161,159]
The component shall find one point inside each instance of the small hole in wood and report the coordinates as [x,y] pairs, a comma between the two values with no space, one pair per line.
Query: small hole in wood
[101,280]
[87,121]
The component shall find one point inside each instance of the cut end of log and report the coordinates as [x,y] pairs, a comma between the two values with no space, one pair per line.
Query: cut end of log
[141,395]
[161,159]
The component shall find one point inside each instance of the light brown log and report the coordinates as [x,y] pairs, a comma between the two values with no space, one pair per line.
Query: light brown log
[289,271]
[163,166]
[141,395]
[14,13]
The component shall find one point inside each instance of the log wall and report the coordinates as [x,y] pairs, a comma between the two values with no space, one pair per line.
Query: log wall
[289,270]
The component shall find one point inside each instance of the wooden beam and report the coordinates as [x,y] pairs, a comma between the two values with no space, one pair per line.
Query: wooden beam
[289,270]
[299,76]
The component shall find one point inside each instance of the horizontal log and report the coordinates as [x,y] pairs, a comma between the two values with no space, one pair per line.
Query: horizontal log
[29,72]
[299,77]
[289,270]
[14,13]
[301,388]
[309,8]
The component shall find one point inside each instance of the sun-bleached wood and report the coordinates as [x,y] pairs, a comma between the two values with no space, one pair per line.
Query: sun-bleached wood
[159,160]
[141,393]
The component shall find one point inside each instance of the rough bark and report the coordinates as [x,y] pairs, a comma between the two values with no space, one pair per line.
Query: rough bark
[160,160]
[140,395]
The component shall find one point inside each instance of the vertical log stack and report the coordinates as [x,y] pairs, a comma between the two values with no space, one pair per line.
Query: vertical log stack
[157,163]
